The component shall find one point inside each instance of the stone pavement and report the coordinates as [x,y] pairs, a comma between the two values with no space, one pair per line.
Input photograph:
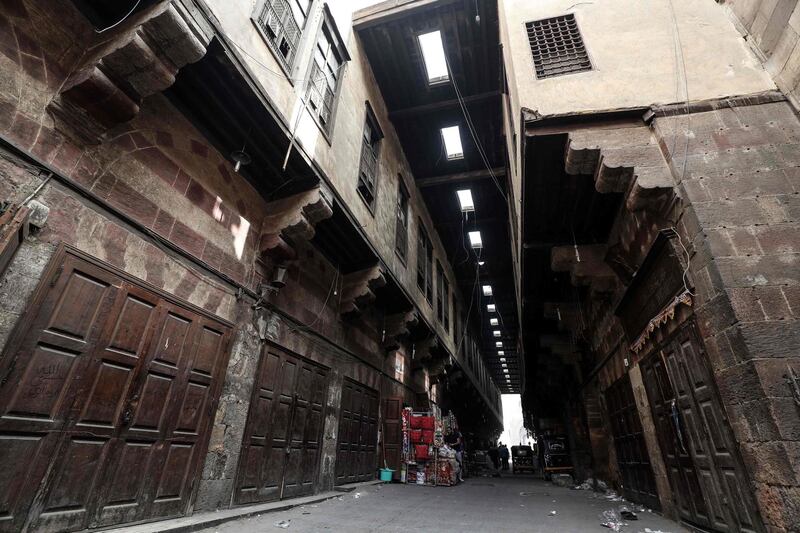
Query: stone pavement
[508,504]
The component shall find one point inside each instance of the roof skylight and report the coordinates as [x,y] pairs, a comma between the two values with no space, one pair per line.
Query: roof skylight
[433,56]
[452,143]
[498,344]
[493,322]
[465,199]
[475,239]
[497,333]
[491,308]
[487,291]
[501,352]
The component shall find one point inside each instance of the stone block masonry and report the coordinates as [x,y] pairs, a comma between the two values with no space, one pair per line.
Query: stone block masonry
[737,171]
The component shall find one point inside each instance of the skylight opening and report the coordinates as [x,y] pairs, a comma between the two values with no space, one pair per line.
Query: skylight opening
[498,344]
[481,263]
[487,291]
[493,322]
[497,333]
[502,359]
[475,239]
[504,365]
[466,201]
[452,143]
[501,352]
[433,55]
[491,308]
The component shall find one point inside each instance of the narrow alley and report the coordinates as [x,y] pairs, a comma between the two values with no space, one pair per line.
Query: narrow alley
[257,253]
[512,504]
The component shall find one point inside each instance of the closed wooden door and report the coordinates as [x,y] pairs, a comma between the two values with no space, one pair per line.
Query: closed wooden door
[712,489]
[280,453]
[106,400]
[358,434]
[392,441]
[634,462]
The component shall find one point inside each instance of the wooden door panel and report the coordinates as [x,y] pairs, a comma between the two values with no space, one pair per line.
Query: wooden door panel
[632,457]
[283,430]
[92,397]
[392,433]
[711,488]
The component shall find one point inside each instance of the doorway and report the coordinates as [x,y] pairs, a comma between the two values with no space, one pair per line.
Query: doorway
[108,390]
[706,473]
[280,453]
[358,434]
[638,482]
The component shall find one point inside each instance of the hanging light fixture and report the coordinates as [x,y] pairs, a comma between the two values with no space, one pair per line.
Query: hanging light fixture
[240,157]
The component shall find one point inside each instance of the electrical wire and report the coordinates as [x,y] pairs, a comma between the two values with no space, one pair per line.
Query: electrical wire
[676,32]
[472,131]
[120,21]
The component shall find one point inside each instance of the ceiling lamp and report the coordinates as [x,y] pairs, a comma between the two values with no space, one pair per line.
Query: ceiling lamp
[475,240]
[465,200]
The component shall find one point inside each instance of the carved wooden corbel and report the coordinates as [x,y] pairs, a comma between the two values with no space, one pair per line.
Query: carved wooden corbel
[291,220]
[124,67]
[358,289]
[398,326]
[623,160]
[586,265]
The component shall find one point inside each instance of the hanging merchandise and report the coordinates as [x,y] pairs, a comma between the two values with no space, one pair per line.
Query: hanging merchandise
[427,460]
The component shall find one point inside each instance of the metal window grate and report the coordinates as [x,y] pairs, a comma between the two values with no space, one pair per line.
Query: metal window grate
[557,46]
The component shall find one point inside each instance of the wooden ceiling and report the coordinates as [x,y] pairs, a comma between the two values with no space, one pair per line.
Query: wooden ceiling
[418,111]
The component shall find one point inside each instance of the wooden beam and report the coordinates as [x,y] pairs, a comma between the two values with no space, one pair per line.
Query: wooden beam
[460,177]
[442,105]
[392,10]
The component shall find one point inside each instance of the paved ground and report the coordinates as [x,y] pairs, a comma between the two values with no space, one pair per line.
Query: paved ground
[509,504]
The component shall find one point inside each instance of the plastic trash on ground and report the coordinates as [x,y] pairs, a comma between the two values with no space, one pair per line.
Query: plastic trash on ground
[283,524]
[627,514]
[552,513]
[611,519]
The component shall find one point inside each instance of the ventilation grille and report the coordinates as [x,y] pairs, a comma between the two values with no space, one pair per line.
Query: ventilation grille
[557,47]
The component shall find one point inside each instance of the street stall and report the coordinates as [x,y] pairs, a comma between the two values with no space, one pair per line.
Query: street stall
[427,459]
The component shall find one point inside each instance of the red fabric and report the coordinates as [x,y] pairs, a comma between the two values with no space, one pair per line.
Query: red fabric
[427,436]
[421,451]
[416,422]
[427,422]
[416,435]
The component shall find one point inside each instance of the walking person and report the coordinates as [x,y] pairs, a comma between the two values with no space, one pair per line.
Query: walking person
[494,456]
[504,455]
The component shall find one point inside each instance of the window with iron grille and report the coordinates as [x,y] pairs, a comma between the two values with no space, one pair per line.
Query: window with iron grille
[424,264]
[557,46]
[325,73]
[401,225]
[281,22]
[368,166]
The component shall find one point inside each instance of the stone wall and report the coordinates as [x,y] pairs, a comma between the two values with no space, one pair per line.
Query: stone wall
[155,199]
[742,226]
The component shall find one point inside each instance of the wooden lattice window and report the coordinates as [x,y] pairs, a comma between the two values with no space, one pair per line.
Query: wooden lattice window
[281,22]
[368,165]
[557,46]
[401,225]
[323,83]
